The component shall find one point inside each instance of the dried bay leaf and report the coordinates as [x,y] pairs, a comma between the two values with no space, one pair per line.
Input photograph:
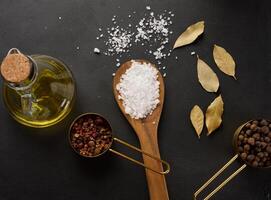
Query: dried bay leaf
[224,61]
[197,119]
[213,116]
[207,77]
[190,34]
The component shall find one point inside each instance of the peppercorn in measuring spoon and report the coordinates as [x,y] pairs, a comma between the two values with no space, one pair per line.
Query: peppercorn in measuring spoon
[252,144]
[90,136]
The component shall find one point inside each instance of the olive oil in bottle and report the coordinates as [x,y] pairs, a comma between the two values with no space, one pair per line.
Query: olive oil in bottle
[39,90]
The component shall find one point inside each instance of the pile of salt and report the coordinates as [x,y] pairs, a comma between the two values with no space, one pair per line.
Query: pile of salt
[139,90]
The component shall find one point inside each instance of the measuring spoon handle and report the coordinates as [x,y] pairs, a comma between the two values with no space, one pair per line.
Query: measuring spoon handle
[216,175]
[144,153]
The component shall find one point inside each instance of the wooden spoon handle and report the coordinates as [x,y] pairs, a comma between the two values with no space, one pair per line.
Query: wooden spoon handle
[156,182]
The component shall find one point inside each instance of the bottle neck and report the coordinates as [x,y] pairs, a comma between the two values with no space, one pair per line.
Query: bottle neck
[26,84]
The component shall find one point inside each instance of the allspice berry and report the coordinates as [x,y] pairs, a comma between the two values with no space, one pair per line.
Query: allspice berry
[251,141]
[254,143]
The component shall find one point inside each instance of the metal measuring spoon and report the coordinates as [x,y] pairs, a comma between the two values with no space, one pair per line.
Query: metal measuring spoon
[237,155]
[110,139]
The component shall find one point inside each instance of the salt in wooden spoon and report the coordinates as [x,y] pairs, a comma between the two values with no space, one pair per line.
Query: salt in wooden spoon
[146,130]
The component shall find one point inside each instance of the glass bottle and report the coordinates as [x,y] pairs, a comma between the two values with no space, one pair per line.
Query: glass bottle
[38,90]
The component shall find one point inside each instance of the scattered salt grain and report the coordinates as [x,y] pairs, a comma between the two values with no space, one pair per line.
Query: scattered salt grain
[193,53]
[96,50]
[165,74]
[152,31]
[139,90]
[119,40]
[118,64]
[164,68]
[158,53]
[59,18]
[114,74]
[77,47]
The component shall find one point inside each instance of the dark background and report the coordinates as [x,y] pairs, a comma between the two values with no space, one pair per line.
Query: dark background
[39,164]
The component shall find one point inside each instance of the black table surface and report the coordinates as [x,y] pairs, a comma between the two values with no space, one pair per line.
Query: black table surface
[39,164]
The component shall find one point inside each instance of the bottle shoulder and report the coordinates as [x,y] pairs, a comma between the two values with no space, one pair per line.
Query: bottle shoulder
[57,66]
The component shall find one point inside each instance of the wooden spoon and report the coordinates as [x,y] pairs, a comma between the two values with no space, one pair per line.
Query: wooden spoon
[146,130]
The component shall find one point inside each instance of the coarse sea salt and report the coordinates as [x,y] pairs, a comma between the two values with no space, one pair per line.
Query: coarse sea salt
[96,50]
[139,90]
[119,40]
[151,32]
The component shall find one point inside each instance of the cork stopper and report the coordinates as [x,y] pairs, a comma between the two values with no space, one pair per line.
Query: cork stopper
[16,67]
